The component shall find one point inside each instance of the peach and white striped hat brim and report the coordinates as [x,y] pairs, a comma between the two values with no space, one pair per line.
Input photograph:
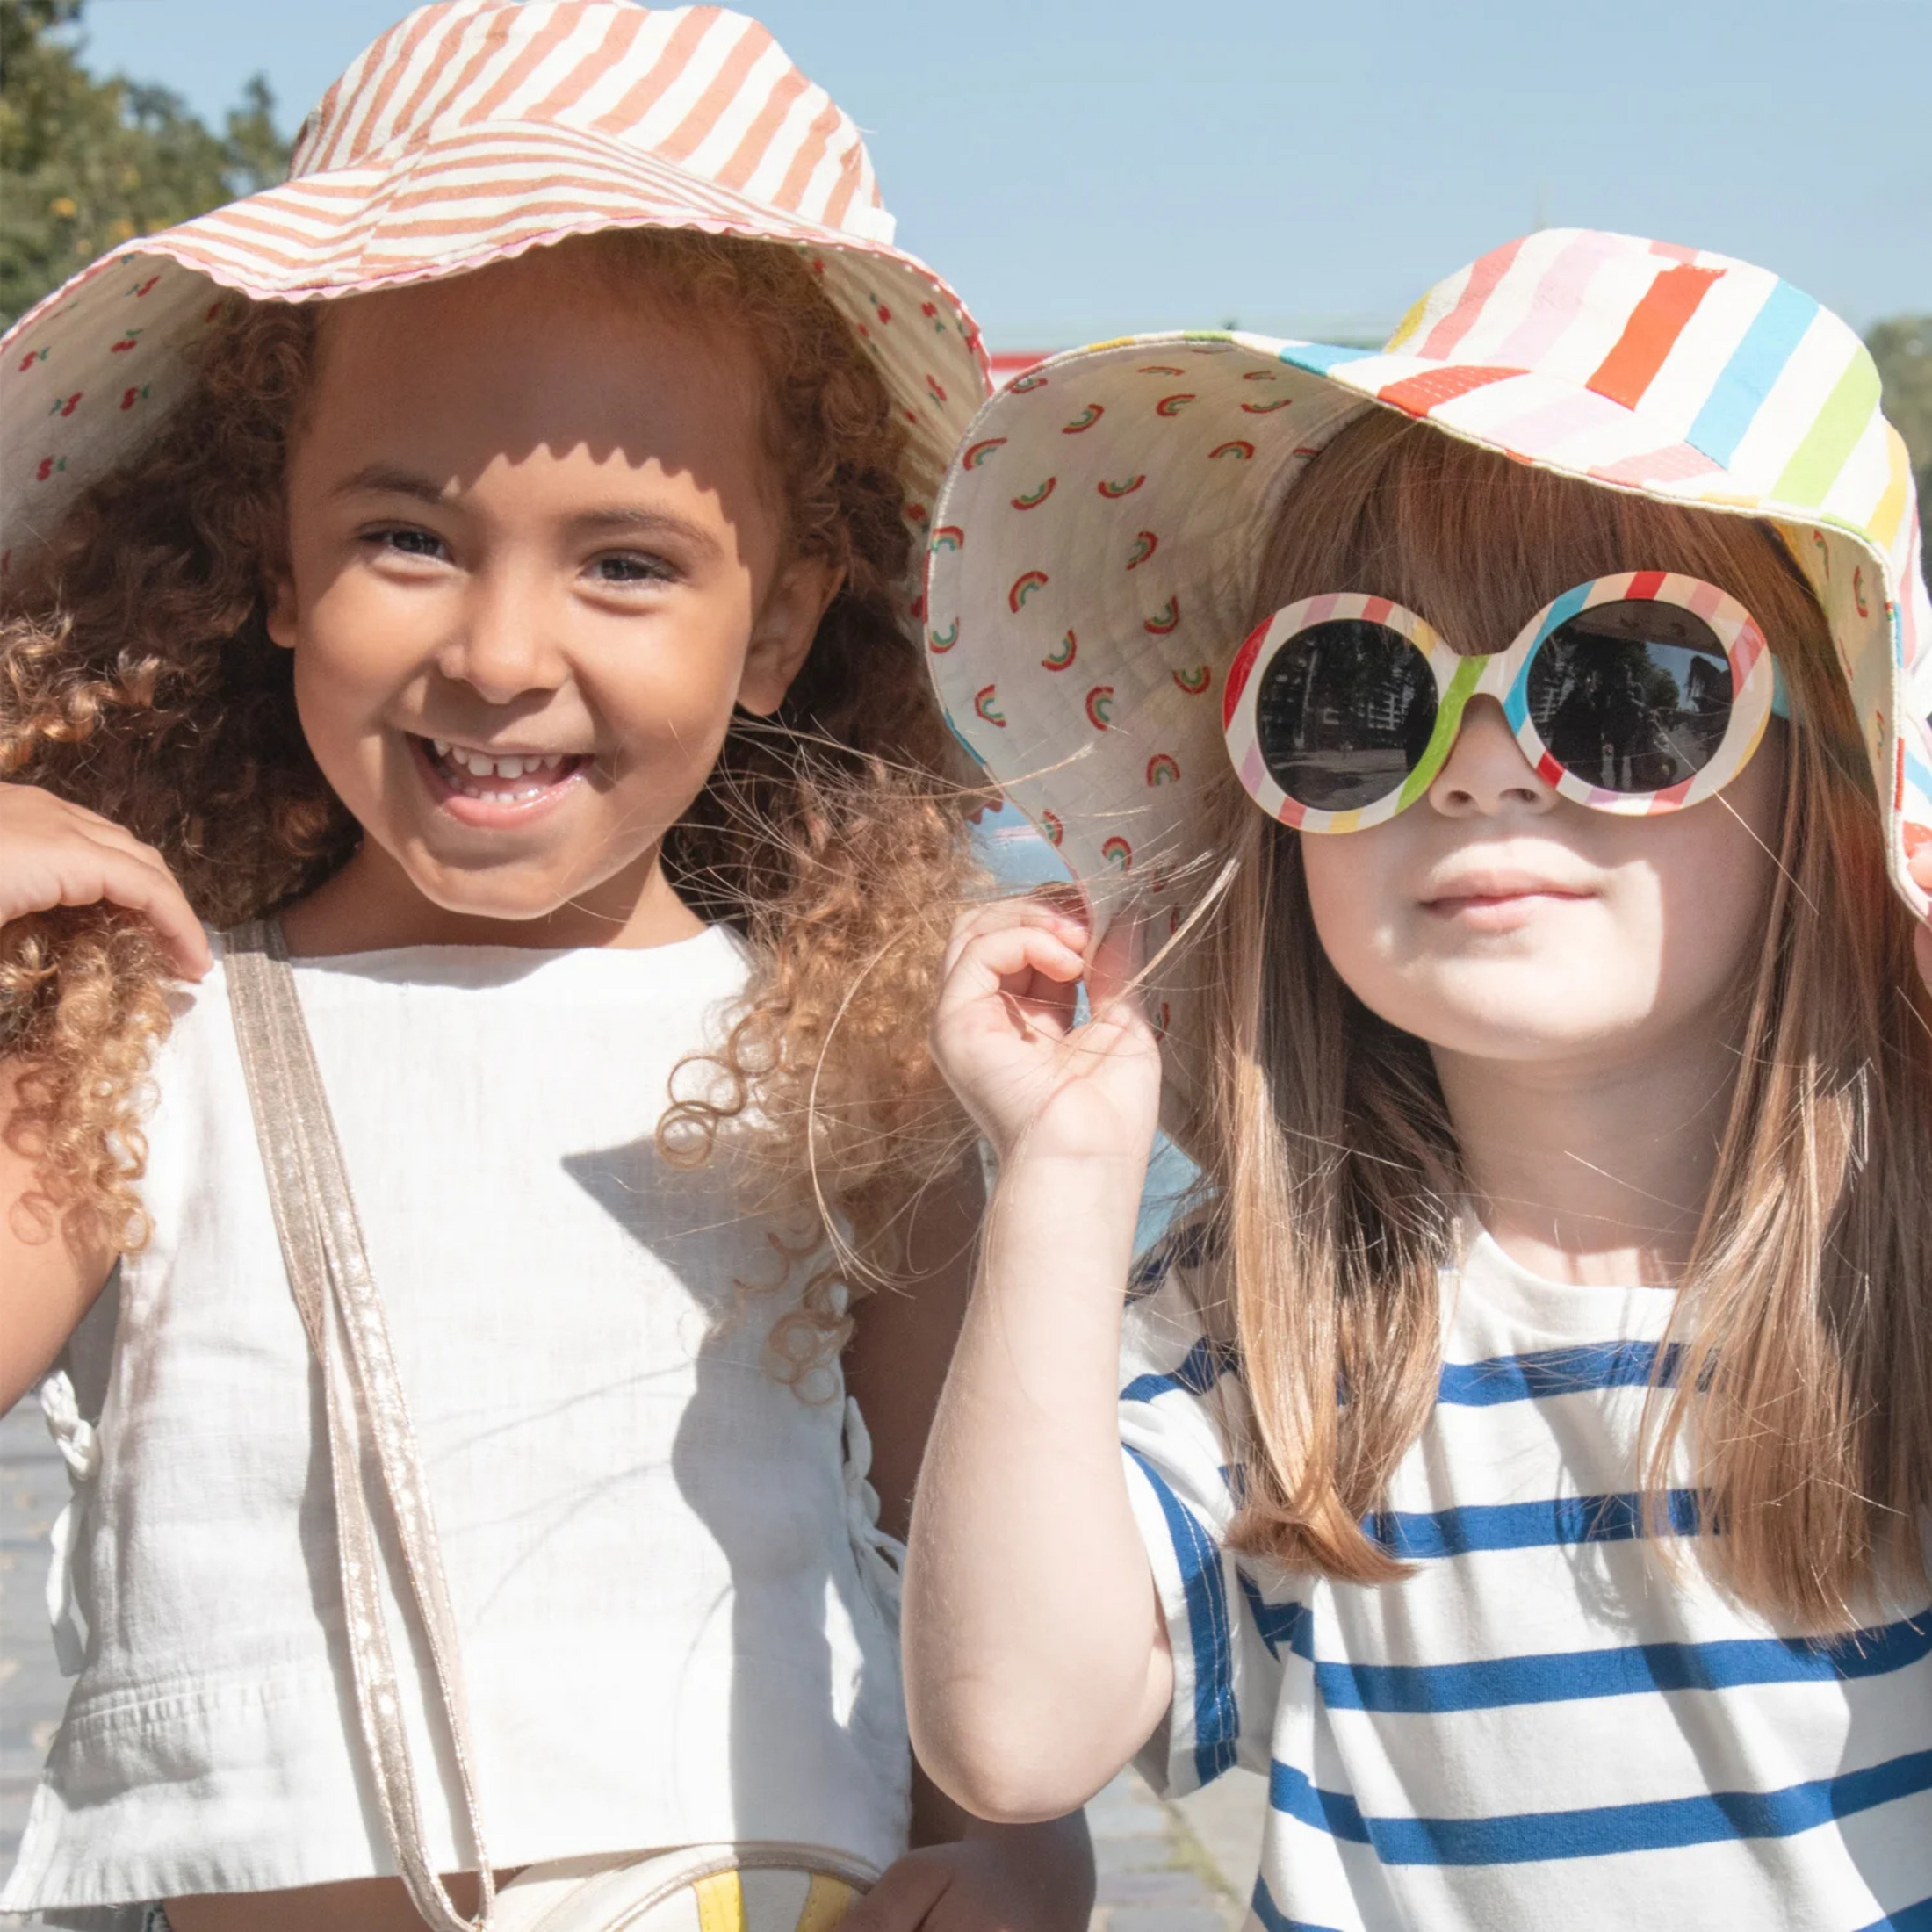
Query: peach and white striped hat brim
[469,132]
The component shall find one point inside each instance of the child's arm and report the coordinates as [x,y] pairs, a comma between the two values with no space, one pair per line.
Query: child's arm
[1036,1659]
[52,853]
[969,1876]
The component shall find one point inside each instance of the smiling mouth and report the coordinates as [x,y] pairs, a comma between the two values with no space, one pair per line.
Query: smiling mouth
[498,778]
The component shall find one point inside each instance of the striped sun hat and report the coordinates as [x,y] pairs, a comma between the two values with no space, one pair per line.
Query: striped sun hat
[1092,567]
[468,133]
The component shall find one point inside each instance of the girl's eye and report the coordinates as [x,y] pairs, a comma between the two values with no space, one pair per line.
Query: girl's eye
[627,567]
[407,542]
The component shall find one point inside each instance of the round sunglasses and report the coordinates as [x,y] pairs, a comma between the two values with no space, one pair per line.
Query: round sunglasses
[1641,692]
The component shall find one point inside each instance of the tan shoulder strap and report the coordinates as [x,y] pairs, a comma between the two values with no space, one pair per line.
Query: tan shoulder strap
[328,1267]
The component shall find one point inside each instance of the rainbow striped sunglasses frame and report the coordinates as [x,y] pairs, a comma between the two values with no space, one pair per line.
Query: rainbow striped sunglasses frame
[1504,675]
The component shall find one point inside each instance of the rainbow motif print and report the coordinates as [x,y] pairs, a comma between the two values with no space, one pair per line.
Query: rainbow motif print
[1023,586]
[1691,378]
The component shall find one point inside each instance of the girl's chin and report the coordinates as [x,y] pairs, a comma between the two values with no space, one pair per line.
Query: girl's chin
[1517,1016]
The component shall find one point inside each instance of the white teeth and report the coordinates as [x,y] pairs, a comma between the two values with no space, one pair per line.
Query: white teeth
[484,765]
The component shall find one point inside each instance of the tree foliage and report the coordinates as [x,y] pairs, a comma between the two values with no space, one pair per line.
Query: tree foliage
[1902,348]
[86,163]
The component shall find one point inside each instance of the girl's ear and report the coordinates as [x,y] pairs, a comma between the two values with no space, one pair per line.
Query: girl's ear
[281,618]
[782,633]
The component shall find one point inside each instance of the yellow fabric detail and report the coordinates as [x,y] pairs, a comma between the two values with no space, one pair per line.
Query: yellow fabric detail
[1884,521]
[825,1904]
[1408,326]
[720,1903]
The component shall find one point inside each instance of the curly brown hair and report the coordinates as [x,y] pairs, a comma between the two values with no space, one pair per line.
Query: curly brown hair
[137,678]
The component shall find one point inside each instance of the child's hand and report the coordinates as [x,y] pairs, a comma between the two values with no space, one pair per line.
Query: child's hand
[1922,871]
[1000,1879]
[1005,1036]
[56,853]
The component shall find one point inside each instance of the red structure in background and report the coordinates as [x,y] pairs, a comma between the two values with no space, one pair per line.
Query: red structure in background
[1009,362]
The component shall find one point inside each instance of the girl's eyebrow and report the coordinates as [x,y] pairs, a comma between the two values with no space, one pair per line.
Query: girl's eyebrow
[391,480]
[646,522]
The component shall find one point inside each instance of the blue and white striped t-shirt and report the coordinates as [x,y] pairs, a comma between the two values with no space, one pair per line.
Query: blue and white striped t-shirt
[1540,1730]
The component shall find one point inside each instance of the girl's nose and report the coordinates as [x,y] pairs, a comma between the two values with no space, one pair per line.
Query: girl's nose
[1486,772]
[503,649]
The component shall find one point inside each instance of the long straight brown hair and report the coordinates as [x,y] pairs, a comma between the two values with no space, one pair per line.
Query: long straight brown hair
[1328,1153]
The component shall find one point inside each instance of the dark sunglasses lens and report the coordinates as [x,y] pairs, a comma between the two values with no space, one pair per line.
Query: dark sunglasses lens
[1633,696]
[1344,714]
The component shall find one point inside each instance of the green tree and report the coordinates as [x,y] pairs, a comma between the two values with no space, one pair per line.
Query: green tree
[86,161]
[1902,348]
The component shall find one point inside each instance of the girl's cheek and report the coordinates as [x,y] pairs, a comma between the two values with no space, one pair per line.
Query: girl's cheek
[1349,886]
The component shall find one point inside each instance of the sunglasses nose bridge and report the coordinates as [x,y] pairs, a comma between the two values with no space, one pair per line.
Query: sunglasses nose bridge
[1469,678]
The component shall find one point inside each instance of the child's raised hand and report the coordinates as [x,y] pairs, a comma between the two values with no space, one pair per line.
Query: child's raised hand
[1005,1034]
[56,853]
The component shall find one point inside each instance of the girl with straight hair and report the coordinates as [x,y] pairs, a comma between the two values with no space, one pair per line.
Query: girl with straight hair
[1507,753]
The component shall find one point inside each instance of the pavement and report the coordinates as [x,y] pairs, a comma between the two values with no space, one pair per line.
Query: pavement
[1185,1867]
[1163,1868]
[32,1691]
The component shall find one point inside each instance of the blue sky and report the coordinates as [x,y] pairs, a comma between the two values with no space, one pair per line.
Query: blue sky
[1080,168]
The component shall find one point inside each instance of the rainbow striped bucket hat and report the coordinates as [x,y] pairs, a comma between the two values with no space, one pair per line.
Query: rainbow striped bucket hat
[471,131]
[1090,580]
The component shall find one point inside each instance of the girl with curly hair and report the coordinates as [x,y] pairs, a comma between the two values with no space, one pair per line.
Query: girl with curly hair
[469,594]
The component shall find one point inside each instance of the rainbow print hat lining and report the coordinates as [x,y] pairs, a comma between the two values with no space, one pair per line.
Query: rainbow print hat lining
[1089,586]
[471,131]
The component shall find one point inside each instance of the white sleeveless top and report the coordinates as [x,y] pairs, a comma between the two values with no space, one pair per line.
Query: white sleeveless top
[678,1620]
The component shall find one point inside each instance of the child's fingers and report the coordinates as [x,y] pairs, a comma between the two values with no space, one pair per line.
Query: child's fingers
[1031,911]
[902,1898]
[991,963]
[87,872]
[93,826]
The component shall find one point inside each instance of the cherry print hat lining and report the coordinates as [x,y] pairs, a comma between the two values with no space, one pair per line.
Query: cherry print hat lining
[471,131]
[1090,580]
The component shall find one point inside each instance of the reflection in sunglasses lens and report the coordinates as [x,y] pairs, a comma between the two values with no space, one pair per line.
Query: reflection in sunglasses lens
[1343,713]
[1634,696]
